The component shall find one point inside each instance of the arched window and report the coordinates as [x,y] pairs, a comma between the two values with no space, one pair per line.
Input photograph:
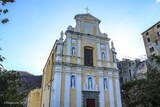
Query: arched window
[73,51]
[88,56]
[105,83]
[90,83]
[73,81]
[103,55]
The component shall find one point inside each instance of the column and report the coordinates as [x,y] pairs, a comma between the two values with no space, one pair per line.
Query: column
[108,53]
[67,87]
[101,88]
[56,86]
[111,93]
[99,53]
[79,50]
[79,88]
[118,91]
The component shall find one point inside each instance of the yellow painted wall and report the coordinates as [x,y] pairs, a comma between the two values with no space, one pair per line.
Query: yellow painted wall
[73,98]
[49,71]
[34,98]
[114,90]
[107,99]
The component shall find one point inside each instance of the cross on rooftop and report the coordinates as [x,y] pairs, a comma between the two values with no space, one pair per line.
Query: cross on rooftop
[87,9]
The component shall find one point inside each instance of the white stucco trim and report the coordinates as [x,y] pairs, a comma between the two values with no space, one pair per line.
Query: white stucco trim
[56,87]
[108,54]
[67,87]
[79,26]
[79,88]
[99,53]
[59,52]
[79,52]
[101,88]
[110,87]
[118,91]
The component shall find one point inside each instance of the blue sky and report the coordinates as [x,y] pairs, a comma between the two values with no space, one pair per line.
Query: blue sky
[35,25]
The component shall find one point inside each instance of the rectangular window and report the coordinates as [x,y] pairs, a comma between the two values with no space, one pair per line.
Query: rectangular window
[148,40]
[88,57]
[151,49]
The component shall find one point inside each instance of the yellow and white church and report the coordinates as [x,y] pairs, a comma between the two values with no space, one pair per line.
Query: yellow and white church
[81,70]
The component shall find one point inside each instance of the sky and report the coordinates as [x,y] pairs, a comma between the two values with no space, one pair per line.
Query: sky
[35,25]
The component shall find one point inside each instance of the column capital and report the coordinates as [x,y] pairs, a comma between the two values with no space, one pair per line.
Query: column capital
[110,75]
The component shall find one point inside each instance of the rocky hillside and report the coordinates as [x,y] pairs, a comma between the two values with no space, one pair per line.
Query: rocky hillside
[29,82]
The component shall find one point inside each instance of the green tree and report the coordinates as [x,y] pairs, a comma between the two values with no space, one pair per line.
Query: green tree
[5,11]
[9,85]
[144,92]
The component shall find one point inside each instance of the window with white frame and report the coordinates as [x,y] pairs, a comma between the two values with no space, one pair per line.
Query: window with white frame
[105,83]
[73,51]
[103,55]
[73,81]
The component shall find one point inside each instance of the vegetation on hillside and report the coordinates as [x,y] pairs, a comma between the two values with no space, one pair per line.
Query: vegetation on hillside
[9,84]
[144,92]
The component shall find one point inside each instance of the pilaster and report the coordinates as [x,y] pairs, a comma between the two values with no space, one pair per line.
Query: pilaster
[78,25]
[99,53]
[56,86]
[79,88]
[111,93]
[67,87]
[118,91]
[79,51]
[101,88]
[108,54]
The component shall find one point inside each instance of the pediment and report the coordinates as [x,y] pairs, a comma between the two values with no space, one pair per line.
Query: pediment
[87,16]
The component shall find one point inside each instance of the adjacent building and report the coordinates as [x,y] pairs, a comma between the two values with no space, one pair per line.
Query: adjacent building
[81,70]
[141,70]
[151,38]
[128,69]
[34,98]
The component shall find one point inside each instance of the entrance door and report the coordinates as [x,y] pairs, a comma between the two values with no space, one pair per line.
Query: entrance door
[90,102]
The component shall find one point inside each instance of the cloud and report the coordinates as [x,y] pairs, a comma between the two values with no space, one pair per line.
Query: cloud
[158,0]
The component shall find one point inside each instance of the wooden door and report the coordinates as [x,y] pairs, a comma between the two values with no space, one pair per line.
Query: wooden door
[90,102]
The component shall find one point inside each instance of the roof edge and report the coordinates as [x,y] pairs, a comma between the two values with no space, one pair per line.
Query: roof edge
[150,27]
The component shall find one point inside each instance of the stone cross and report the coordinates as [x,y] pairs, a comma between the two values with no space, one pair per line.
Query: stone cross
[87,9]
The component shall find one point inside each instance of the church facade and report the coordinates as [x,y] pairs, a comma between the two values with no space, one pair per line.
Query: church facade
[81,71]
